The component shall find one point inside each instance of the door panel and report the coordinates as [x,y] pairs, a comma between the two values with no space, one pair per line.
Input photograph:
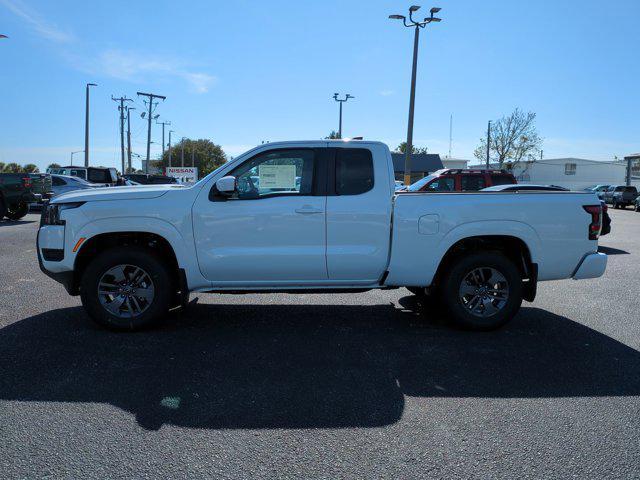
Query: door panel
[270,239]
[272,230]
[358,218]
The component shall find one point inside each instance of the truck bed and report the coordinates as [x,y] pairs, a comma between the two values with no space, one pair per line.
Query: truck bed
[426,225]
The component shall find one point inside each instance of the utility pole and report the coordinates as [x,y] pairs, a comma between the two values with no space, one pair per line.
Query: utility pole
[86,124]
[417,25]
[488,142]
[150,96]
[335,97]
[163,124]
[182,152]
[129,138]
[170,132]
[121,109]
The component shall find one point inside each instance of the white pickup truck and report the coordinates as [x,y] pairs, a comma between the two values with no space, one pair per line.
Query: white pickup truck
[316,216]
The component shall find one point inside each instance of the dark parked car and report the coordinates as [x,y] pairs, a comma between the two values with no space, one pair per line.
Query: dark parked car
[41,185]
[16,195]
[145,179]
[620,196]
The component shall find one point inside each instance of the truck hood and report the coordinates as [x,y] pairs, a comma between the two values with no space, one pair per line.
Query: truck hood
[116,193]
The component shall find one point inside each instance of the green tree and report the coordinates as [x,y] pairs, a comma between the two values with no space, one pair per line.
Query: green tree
[208,156]
[13,168]
[402,148]
[513,138]
[333,135]
[2,166]
[30,168]
[54,165]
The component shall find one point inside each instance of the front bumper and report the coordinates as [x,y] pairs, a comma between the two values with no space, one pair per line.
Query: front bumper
[592,265]
[64,278]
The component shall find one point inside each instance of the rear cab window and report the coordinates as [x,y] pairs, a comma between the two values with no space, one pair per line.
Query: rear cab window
[354,171]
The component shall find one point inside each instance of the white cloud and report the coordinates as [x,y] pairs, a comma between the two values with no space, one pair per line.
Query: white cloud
[139,68]
[38,24]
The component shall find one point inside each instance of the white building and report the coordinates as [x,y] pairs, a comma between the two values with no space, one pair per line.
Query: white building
[454,163]
[573,173]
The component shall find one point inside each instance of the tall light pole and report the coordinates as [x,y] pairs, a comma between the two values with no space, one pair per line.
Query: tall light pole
[417,26]
[73,153]
[335,97]
[86,124]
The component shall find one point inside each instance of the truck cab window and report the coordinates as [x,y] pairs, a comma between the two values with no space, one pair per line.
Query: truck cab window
[277,172]
[354,171]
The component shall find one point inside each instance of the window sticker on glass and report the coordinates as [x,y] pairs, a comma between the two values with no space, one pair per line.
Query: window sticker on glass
[277,176]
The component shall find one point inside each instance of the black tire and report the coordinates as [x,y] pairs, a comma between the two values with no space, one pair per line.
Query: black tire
[3,209]
[637,207]
[459,271]
[614,205]
[17,212]
[162,286]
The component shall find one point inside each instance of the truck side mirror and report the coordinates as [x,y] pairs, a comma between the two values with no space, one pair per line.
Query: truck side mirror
[226,186]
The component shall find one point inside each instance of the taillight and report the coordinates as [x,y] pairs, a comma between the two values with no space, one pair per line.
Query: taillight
[26,181]
[596,220]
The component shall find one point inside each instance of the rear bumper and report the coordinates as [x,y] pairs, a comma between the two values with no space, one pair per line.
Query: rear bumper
[592,265]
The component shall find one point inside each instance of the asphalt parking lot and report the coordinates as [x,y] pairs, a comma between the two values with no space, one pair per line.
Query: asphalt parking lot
[324,386]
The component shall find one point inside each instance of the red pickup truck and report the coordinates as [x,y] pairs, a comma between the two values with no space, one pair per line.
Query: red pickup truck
[457,180]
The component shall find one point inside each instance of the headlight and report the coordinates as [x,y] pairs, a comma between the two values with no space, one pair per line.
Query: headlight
[51,214]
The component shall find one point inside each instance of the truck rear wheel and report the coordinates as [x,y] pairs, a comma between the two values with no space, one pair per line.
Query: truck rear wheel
[3,209]
[17,212]
[482,291]
[126,289]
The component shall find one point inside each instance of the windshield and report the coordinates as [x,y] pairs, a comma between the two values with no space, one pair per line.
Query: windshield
[417,186]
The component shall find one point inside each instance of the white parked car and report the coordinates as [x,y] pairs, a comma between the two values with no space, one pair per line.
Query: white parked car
[132,253]
[66,183]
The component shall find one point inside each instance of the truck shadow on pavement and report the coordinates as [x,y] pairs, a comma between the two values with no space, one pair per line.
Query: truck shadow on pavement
[304,366]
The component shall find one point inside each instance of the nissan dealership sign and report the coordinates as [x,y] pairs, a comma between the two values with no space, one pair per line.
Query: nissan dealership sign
[183,174]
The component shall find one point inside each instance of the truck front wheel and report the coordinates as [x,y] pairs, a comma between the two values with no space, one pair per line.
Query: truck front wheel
[482,291]
[126,288]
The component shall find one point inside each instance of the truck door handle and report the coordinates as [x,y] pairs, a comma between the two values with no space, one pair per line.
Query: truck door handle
[306,210]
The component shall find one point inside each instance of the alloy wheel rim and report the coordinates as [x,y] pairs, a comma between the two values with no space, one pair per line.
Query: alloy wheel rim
[483,292]
[126,291]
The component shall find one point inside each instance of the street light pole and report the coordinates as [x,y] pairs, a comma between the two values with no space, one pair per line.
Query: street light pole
[416,37]
[341,101]
[73,153]
[86,124]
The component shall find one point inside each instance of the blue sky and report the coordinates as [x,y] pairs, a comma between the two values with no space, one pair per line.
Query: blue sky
[245,71]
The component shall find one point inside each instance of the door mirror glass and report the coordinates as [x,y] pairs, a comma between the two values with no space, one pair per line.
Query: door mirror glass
[226,185]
